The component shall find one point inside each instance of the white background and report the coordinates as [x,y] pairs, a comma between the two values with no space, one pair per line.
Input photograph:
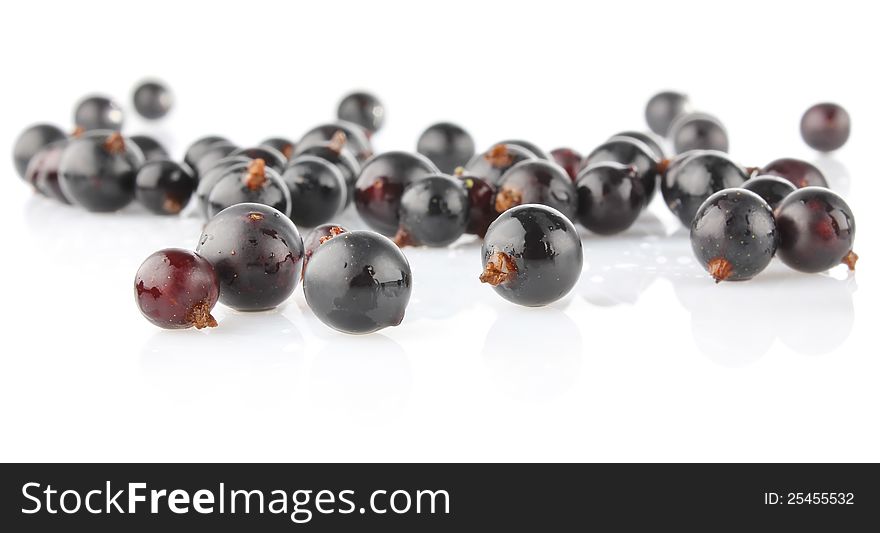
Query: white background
[645,360]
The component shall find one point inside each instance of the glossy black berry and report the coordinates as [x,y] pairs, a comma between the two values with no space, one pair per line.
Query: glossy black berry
[164,187]
[358,282]
[380,186]
[317,190]
[335,152]
[650,140]
[363,109]
[199,147]
[734,235]
[284,146]
[772,189]
[211,176]
[798,172]
[254,183]
[691,181]
[610,197]
[98,113]
[532,255]
[481,203]
[631,152]
[698,131]
[447,145]
[177,289]
[32,140]
[151,148]
[212,155]
[816,230]
[152,99]
[356,140]
[257,254]
[433,212]
[270,156]
[42,171]
[569,159]
[317,237]
[537,182]
[494,162]
[529,146]
[663,108]
[825,127]
[98,172]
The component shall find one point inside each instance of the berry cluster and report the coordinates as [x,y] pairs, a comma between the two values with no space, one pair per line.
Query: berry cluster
[520,200]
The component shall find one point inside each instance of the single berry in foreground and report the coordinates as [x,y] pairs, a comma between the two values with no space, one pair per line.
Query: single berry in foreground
[447,145]
[816,230]
[98,172]
[164,187]
[734,235]
[610,197]
[152,99]
[31,141]
[772,189]
[433,212]
[532,255]
[537,182]
[663,108]
[317,190]
[699,131]
[380,186]
[692,180]
[363,109]
[825,127]
[358,282]
[255,183]
[568,159]
[177,289]
[98,113]
[797,171]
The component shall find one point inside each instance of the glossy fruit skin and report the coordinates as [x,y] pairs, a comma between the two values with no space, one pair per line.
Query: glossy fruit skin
[825,127]
[816,229]
[433,211]
[494,162]
[211,176]
[528,146]
[447,145]
[233,188]
[698,131]
[663,108]
[152,149]
[317,190]
[772,189]
[356,140]
[651,140]
[198,148]
[798,172]
[32,140]
[317,237]
[380,186]
[152,99]
[537,182]
[569,159]
[342,159]
[212,155]
[283,145]
[628,151]
[481,204]
[363,109]
[734,235]
[164,187]
[358,282]
[610,197]
[96,176]
[42,171]
[257,254]
[695,178]
[272,157]
[98,113]
[176,289]
[545,248]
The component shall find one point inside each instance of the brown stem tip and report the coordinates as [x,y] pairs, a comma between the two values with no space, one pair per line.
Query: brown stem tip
[337,142]
[77,132]
[287,150]
[403,239]
[115,144]
[507,198]
[334,231]
[499,269]
[200,316]
[172,205]
[499,156]
[850,260]
[663,166]
[256,174]
[720,269]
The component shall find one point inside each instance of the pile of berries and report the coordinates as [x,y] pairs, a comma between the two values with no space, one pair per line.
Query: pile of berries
[521,201]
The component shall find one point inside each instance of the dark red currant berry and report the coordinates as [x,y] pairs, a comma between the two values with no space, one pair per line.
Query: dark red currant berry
[630,152]
[698,131]
[663,108]
[433,212]
[152,149]
[610,197]
[198,148]
[734,235]
[447,145]
[177,289]
[98,172]
[31,141]
[772,189]
[356,140]
[816,230]
[152,99]
[164,187]
[493,163]
[317,190]
[380,187]
[257,253]
[285,146]
[537,182]
[255,183]
[481,202]
[42,171]
[98,113]
[825,127]
[568,159]
[363,109]
[799,172]
[317,237]
[691,181]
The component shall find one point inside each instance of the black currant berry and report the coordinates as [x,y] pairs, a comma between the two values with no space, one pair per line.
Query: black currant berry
[691,181]
[631,152]
[447,145]
[254,184]
[98,113]
[98,172]
[212,155]
[650,140]
[433,212]
[210,177]
[198,148]
[150,147]
[164,187]
[380,186]
[358,282]
[537,182]
[610,197]
[825,127]
[493,163]
[363,109]
[798,172]
[356,140]
[317,190]
[481,202]
[270,156]
[532,255]
[663,108]
[734,235]
[335,152]
[771,188]
[285,146]
[42,171]
[31,141]
[528,146]
[698,131]
[317,237]
[257,254]
[816,230]
[568,159]
[177,289]
[152,99]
